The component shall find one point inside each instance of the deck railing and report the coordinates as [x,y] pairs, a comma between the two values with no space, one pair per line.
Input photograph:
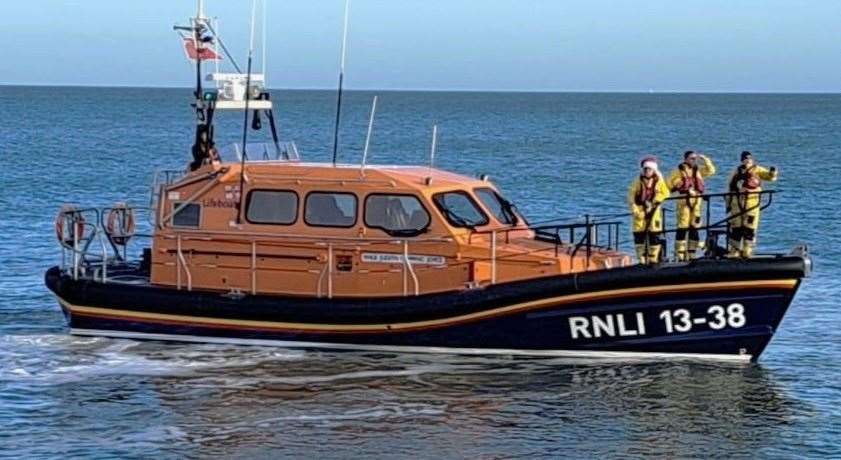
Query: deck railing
[81,257]
[712,231]
[92,252]
[588,236]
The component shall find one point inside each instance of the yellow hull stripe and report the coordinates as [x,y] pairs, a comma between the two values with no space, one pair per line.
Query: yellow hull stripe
[350,328]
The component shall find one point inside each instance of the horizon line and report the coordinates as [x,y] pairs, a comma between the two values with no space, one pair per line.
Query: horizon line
[437,90]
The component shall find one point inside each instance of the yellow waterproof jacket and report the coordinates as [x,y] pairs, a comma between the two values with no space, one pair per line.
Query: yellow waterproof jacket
[749,201]
[760,172]
[705,170]
[647,215]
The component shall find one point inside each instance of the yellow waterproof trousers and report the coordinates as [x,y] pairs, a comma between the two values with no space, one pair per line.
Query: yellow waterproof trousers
[647,233]
[744,224]
[689,220]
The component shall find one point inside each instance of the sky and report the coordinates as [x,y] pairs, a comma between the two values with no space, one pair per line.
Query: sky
[506,45]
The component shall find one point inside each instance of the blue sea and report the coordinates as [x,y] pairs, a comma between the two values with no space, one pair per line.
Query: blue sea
[554,155]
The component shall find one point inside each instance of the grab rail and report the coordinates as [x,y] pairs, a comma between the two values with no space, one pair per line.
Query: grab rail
[560,235]
[407,266]
[181,262]
[711,230]
[84,260]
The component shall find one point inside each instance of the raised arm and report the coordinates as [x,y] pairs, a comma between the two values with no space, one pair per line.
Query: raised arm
[767,174]
[708,168]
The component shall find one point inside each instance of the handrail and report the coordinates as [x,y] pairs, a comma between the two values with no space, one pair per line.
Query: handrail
[104,260]
[589,236]
[292,236]
[328,272]
[184,203]
[493,257]
[253,267]
[76,255]
[407,266]
[320,280]
[182,263]
[720,225]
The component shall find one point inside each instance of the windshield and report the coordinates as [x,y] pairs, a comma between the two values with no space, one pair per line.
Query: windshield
[459,209]
[501,208]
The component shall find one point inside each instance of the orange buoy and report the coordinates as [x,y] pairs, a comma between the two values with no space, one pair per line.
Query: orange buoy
[69,225]
[120,224]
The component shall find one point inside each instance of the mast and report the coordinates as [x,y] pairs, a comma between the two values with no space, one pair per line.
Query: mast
[199,45]
[245,116]
[203,134]
[341,79]
[233,91]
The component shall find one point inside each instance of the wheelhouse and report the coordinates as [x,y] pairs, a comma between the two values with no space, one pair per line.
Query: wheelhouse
[311,229]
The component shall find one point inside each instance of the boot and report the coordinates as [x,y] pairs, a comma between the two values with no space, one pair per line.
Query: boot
[735,249]
[654,254]
[694,248]
[681,254]
[747,249]
[642,255]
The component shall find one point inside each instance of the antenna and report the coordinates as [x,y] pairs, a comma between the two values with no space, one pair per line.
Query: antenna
[432,150]
[368,137]
[245,121]
[341,79]
[215,20]
[263,44]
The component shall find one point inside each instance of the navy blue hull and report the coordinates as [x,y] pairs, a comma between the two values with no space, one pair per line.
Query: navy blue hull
[717,308]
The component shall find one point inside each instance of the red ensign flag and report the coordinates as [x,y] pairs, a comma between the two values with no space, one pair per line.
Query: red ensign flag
[206,53]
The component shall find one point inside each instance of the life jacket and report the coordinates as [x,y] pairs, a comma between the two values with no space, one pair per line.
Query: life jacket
[745,179]
[691,181]
[646,194]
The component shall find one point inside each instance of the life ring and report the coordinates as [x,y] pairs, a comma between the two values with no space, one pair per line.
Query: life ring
[120,224]
[69,225]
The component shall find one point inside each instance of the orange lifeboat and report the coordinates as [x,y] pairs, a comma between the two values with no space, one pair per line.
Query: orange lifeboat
[255,246]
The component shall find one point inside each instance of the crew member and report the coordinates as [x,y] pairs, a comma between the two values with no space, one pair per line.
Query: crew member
[201,148]
[744,203]
[688,182]
[646,194]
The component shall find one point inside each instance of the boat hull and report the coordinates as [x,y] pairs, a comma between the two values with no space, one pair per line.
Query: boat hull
[708,309]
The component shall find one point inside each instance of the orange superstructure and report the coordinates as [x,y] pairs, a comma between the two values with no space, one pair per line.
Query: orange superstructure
[323,230]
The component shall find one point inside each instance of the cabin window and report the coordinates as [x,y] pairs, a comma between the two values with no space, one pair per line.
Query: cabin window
[278,207]
[460,209]
[397,215]
[330,209]
[188,216]
[501,208]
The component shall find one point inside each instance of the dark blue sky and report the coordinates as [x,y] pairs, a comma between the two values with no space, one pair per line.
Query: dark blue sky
[555,45]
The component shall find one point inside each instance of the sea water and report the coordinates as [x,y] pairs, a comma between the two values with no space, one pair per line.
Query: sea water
[554,155]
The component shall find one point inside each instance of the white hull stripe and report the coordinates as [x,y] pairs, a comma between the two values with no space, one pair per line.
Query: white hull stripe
[610,355]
